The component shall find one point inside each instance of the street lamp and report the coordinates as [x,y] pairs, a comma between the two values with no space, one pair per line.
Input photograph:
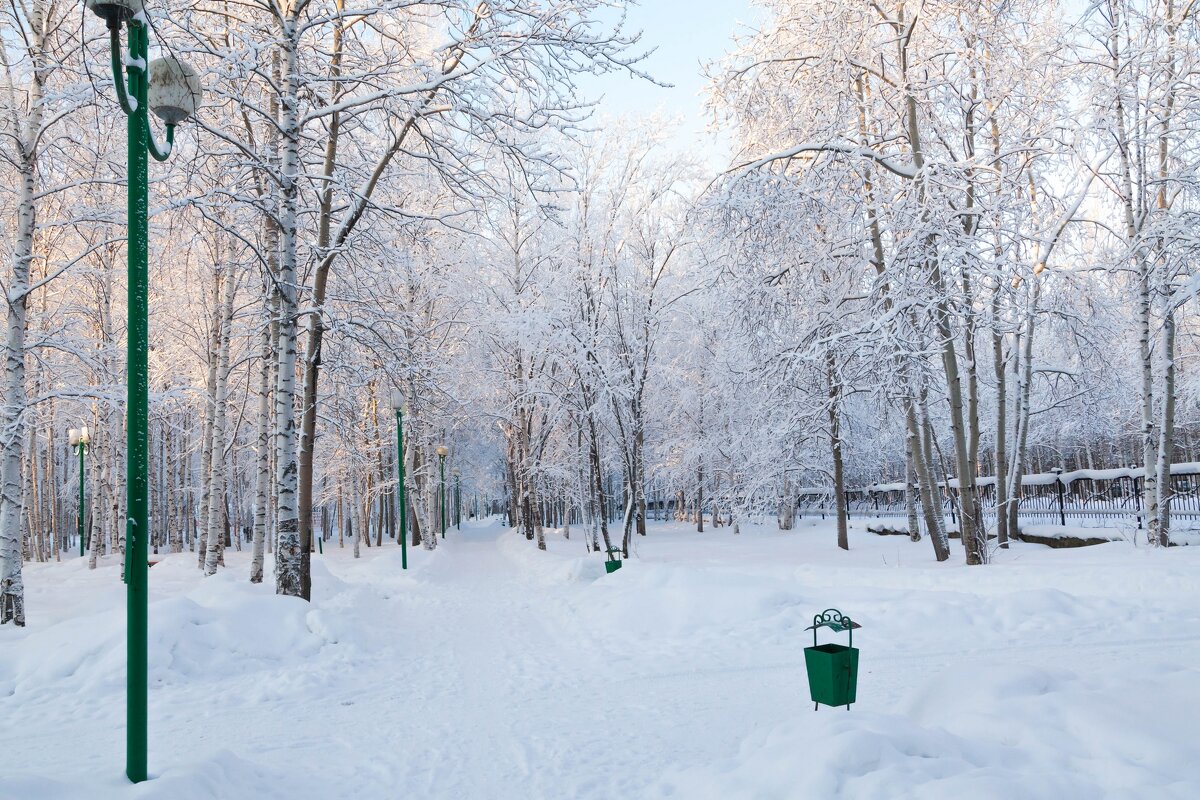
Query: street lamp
[442,450]
[457,500]
[171,89]
[398,407]
[79,438]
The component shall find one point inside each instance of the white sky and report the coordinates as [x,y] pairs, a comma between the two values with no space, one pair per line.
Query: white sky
[687,34]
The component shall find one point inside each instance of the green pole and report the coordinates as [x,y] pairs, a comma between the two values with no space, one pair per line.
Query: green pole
[137,451]
[403,508]
[458,502]
[442,466]
[82,448]
[134,102]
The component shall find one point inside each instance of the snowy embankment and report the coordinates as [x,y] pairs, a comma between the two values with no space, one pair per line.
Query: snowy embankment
[491,670]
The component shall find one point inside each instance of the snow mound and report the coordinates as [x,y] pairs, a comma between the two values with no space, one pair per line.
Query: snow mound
[977,732]
[651,600]
[548,566]
[222,626]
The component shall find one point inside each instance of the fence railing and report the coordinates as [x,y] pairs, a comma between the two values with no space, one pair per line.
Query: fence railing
[1086,498]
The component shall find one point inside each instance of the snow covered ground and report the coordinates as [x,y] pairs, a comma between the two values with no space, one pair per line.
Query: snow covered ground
[492,671]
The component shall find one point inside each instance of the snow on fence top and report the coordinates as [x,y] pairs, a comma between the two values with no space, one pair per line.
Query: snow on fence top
[1047,478]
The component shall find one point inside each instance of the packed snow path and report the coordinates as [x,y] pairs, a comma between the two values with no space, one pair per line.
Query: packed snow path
[490,670]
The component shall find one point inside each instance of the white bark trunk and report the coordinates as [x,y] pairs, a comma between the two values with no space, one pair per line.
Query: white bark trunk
[291,564]
[1166,432]
[357,525]
[219,477]
[12,427]
[210,415]
[910,492]
[262,497]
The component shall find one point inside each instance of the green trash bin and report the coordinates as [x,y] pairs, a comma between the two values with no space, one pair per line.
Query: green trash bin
[832,668]
[614,560]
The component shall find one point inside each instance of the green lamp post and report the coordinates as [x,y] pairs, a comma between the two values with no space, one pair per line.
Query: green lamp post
[171,89]
[442,451]
[398,407]
[79,438]
[457,501]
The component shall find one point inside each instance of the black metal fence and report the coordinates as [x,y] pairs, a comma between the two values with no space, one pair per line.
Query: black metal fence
[1087,498]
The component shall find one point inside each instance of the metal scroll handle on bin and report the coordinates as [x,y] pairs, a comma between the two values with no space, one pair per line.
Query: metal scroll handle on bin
[836,621]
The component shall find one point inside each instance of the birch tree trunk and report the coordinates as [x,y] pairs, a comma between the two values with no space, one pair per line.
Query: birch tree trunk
[117,485]
[639,466]
[833,410]
[910,493]
[173,490]
[1118,64]
[96,500]
[341,517]
[539,530]
[210,413]
[1150,492]
[923,461]
[262,497]
[51,480]
[356,530]
[291,556]
[1167,431]
[787,506]
[12,428]
[37,527]
[1024,366]
[316,323]
[1162,207]
[1001,470]
[218,479]
[600,512]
